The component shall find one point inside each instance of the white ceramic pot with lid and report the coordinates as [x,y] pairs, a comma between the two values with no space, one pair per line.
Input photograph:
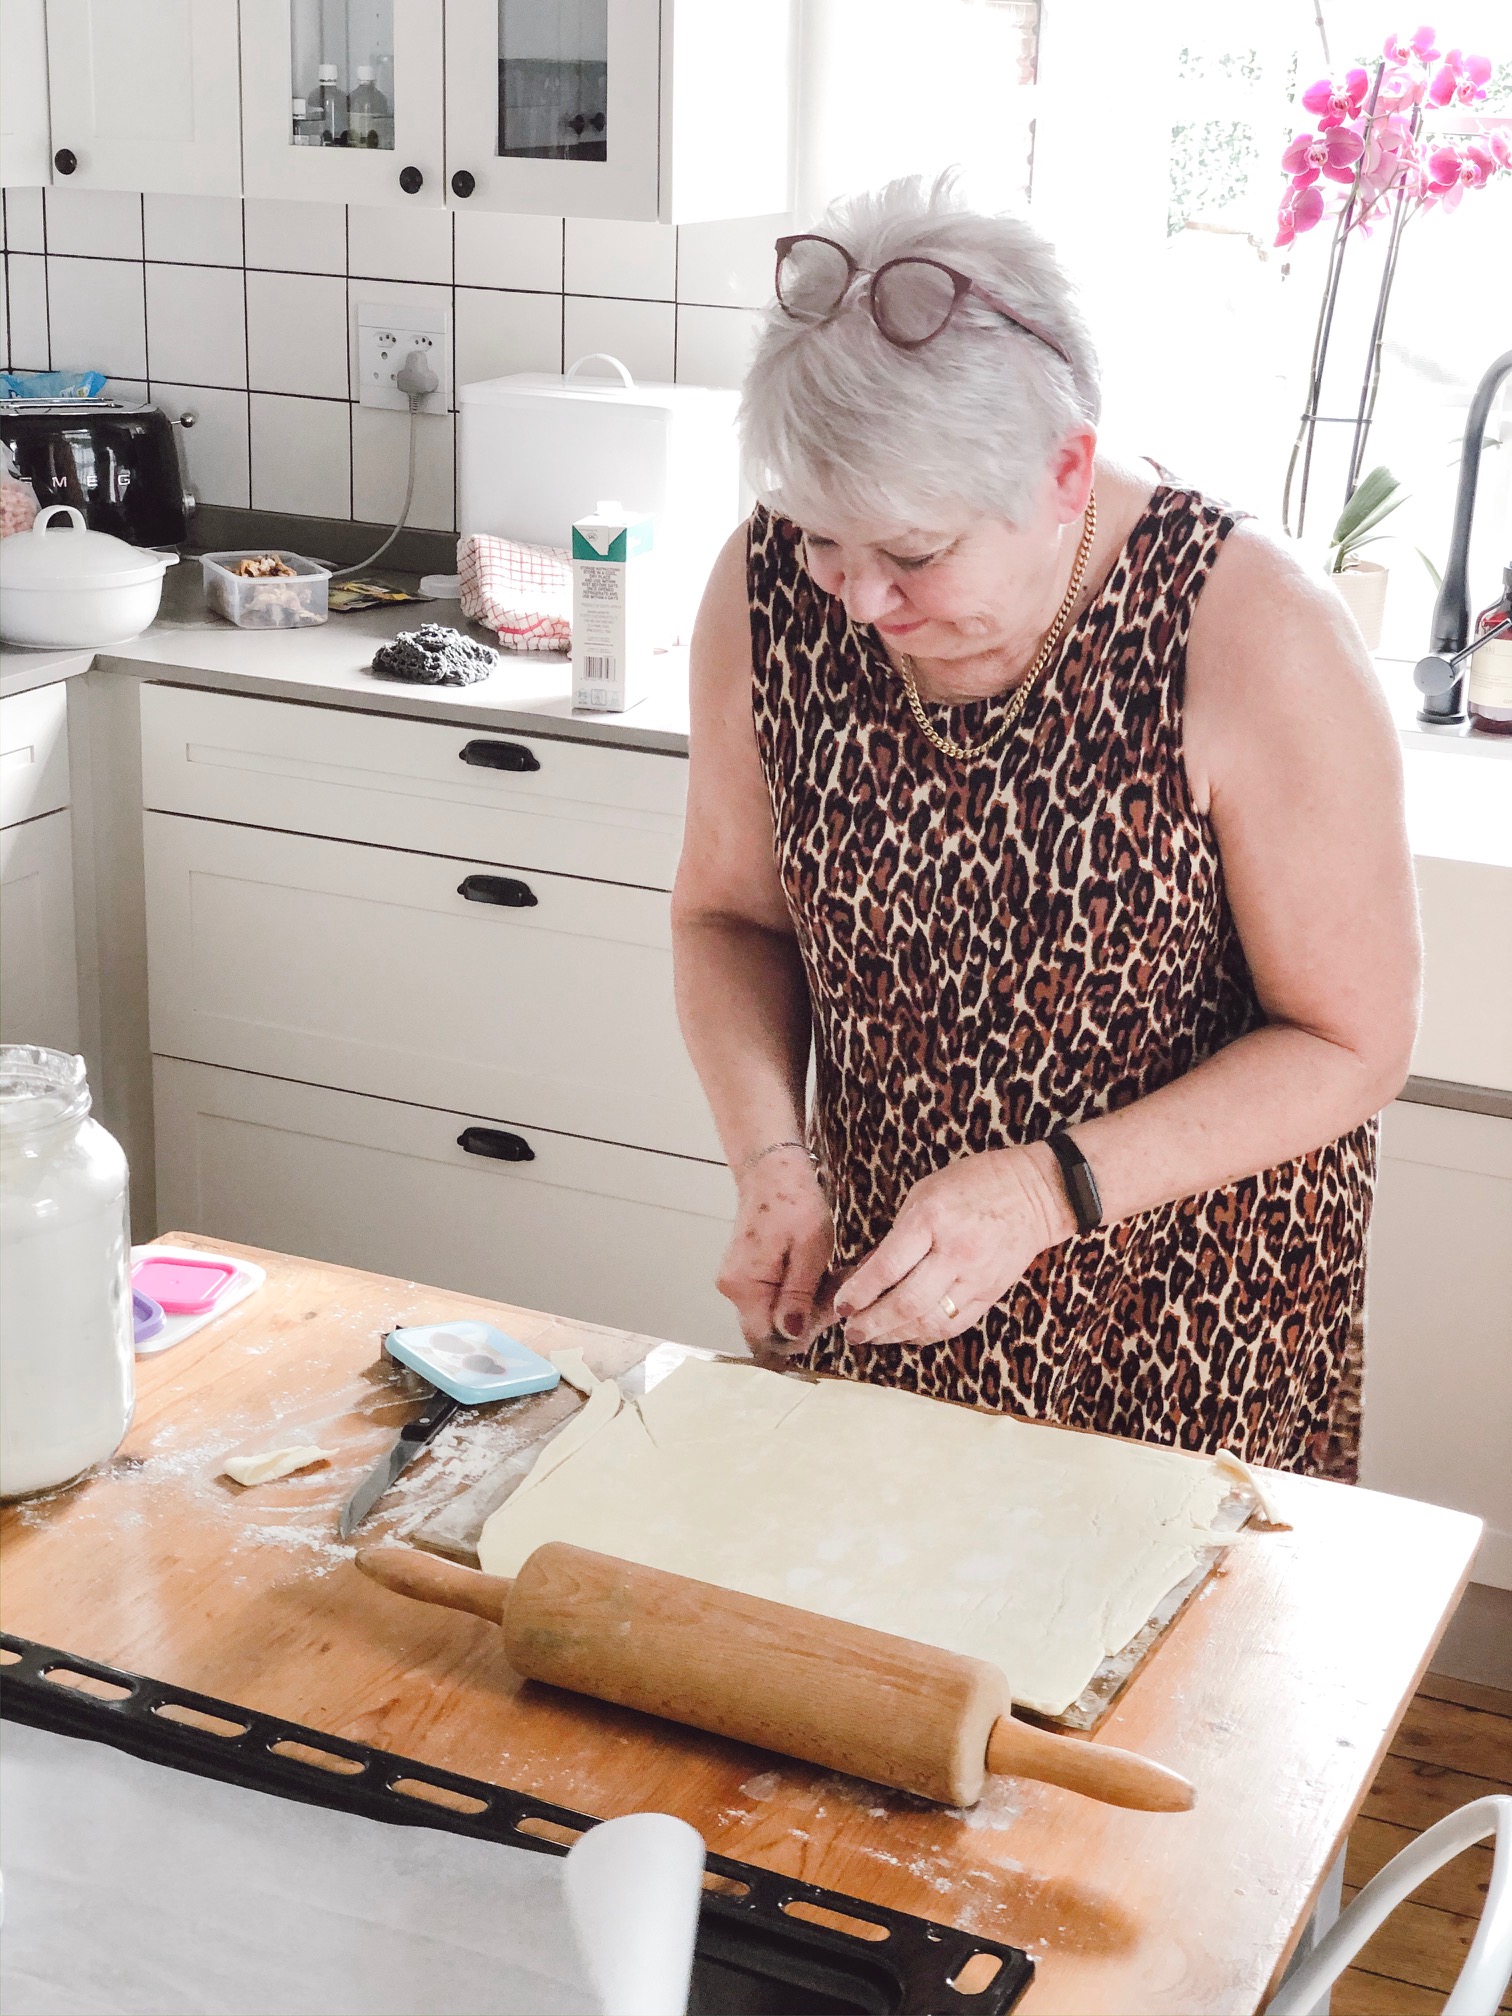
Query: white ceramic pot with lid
[66,588]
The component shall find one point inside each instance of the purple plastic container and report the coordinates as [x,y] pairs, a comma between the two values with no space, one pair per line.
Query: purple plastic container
[147,1318]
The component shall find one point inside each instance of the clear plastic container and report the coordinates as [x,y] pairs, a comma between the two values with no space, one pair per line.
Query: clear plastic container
[329,103]
[370,122]
[67,1359]
[269,601]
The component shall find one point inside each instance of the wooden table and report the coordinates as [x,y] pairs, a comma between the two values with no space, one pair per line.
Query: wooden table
[1277,1691]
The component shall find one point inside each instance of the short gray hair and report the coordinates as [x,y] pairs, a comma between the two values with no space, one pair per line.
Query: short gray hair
[834,416]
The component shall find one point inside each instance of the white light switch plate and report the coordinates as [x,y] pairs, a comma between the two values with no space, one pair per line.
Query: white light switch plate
[386,334]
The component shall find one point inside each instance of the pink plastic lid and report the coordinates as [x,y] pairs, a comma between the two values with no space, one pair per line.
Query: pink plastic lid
[183,1287]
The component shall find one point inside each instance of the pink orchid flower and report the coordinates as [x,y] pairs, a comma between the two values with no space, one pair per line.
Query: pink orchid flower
[1300,210]
[1419,50]
[1460,80]
[1334,103]
[1333,154]
[1453,170]
[1501,149]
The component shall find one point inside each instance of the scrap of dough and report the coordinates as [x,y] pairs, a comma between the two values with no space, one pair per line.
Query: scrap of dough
[573,1367]
[274,1463]
[1037,1548]
[1234,1466]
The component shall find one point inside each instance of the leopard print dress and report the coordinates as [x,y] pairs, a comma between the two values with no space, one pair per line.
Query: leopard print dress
[1033,938]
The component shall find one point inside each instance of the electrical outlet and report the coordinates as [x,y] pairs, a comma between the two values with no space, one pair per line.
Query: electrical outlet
[386,334]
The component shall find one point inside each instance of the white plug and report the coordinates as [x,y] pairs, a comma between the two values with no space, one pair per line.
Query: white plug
[415,378]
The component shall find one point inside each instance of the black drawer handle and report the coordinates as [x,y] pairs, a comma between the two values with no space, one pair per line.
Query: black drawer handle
[499,756]
[496,1144]
[504,890]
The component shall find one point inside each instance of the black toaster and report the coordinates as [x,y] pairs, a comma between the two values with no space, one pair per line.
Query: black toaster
[118,464]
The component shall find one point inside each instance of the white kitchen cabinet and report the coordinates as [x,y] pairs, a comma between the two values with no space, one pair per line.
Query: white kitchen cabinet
[607,1234]
[39,977]
[39,980]
[445,982]
[613,815]
[145,94]
[25,155]
[678,110]
[395,145]
[1438,1357]
[33,754]
[674,110]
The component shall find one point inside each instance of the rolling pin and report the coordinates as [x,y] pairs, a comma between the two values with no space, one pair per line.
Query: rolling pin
[835,1694]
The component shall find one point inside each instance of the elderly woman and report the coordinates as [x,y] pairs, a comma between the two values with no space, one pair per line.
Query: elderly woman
[1056,812]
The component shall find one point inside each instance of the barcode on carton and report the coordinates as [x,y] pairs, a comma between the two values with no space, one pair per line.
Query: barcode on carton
[598,668]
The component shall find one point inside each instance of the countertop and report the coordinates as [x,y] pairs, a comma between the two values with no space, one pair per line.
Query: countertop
[1277,1690]
[329,662]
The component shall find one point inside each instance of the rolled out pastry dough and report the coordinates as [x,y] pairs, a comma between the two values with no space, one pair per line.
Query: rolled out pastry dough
[271,1464]
[1038,1548]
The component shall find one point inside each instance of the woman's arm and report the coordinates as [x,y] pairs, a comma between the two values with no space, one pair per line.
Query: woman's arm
[741,995]
[1291,753]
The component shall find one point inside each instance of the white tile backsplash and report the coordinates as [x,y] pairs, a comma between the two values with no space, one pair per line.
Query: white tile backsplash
[714,345]
[215,448]
[635,260]
[498,333]
[399,244]
[729,265]
[301,456]
[297,334]
[513,252]
[210,295]
[26,286]
[641,334]
[93,223]
[198,230]
[196,325]
[24,231]
[380,463]
[97,316]
[296,237]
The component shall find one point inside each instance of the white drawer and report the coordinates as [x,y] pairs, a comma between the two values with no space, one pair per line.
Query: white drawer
[366,969]
[39,975]
[585,1229]
[33,754]
[613,814]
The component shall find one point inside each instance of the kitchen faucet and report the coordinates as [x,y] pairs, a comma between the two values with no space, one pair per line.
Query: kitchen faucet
[1442,676]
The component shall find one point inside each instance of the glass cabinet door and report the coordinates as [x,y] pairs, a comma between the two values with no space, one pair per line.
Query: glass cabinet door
[343,99]
[554,106]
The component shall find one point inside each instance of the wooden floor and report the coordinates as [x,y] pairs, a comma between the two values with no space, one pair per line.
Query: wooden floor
[1455,1745]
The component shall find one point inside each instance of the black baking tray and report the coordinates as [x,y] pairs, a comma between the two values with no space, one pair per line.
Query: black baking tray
[753,1958]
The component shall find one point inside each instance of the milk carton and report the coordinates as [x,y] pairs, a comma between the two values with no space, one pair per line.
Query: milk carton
[613,609]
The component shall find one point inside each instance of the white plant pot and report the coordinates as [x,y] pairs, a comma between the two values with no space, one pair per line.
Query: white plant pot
[1362,587]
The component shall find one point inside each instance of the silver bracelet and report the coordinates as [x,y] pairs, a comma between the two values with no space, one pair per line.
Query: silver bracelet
[771,1149]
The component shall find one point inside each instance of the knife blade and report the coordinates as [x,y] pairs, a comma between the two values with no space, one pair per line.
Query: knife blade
[412,1438]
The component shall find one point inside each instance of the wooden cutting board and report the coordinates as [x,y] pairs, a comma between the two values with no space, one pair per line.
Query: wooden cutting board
[1276,1691]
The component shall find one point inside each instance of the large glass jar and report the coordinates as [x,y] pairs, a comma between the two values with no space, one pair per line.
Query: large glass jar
[66,1351]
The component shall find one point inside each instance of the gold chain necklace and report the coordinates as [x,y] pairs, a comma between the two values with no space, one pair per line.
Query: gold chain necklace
[1026,685]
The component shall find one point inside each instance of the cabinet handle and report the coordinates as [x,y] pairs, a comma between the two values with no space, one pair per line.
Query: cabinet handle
[463,182]
[65,161]
[496,1144]
[499,756]
[504,890]
[411,181]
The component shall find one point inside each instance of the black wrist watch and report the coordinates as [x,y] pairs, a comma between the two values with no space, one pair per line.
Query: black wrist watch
[1081,1184]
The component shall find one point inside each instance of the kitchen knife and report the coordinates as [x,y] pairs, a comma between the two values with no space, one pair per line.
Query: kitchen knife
[412,1438]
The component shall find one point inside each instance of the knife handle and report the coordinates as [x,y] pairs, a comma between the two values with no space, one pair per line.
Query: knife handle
[428,1579]
[431,1419]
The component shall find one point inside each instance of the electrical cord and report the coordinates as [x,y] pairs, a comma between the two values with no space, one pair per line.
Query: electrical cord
[416,380]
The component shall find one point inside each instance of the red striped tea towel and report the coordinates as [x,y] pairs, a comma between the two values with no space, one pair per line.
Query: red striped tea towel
[522,592]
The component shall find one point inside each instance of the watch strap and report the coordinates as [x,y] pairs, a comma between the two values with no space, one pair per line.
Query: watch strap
[1081,1184]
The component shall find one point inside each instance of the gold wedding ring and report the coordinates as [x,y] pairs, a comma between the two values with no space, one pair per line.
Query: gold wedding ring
[951,1311]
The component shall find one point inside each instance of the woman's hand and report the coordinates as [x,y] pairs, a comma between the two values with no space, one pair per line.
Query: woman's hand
[779,1254]
[961,1240]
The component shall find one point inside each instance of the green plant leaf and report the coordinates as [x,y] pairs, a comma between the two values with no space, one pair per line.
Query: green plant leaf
[1372,497]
